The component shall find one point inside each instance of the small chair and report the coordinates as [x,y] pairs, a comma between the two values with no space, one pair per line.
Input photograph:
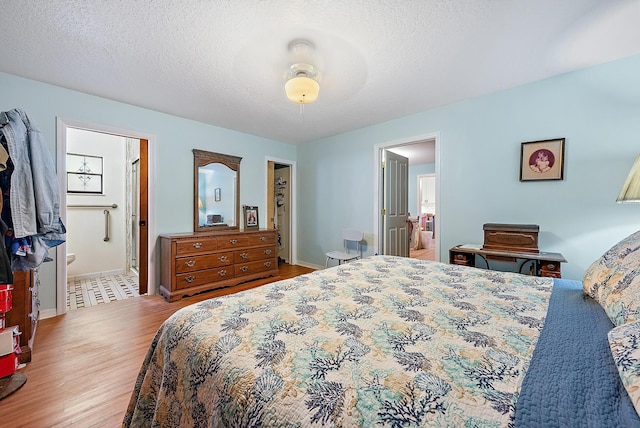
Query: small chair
[349,236]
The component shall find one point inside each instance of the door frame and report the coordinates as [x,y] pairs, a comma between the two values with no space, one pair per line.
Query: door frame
[378,179]
[62,126]
[293,235]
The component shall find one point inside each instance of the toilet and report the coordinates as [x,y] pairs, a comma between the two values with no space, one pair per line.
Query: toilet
[70,258]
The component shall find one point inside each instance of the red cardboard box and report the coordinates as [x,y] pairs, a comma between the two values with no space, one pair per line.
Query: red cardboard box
[9,364]
[5,297]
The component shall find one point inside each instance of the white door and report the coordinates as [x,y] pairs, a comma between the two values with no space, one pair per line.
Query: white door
[426,194]
[395,186]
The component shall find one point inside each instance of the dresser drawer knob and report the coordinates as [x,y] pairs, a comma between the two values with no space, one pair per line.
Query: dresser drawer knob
[244,255]
[222,258]
[189,278]
[233,241]
[223,272]
[197,245]
[190,263]
[267,264]
[244,268]
[267,251]
[263,238]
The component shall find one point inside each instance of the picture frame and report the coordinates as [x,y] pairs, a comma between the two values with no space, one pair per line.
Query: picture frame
[217,195]
[251,217]
[542,160]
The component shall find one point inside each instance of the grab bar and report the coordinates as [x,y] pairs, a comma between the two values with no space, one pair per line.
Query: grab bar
[106,216]
[93,206]
[106,225]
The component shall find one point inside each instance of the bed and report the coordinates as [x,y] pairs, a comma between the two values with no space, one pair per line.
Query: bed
[389,341]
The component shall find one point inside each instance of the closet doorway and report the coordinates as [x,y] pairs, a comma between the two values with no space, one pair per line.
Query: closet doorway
[280,194]
[104,176]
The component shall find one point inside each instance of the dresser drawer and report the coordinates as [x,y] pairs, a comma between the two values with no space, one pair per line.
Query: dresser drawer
[195,246]
[463,259]
[201,277]
[550,266]
[194,263]
[227,242]
[254,254]
[255,267]
[262,239]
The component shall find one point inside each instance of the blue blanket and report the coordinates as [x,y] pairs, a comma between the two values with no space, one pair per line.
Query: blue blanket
[580,386]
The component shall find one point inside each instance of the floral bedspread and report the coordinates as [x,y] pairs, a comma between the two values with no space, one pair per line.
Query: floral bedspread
[383,341]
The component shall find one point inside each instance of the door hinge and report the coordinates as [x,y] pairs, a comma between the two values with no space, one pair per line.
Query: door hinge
[383,164]
[383,212]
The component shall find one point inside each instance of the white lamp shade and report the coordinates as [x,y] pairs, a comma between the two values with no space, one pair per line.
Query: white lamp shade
[302,89]
[631,190]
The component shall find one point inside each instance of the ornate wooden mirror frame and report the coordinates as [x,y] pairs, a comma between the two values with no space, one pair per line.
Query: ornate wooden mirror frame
[213,201]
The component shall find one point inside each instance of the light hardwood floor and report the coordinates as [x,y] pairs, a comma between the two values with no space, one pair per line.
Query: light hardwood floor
[427,250]
[85,362]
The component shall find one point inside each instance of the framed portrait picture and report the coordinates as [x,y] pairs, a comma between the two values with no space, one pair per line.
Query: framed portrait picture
[251,217]
[542,160]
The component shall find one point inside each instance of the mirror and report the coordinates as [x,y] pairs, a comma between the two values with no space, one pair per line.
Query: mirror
[216,191]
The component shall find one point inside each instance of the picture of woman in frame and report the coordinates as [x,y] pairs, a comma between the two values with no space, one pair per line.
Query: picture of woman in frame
[251,219]
[541,161]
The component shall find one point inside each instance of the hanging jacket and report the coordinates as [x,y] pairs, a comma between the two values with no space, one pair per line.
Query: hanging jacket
[34,195]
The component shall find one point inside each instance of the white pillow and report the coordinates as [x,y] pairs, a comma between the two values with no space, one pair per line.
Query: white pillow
[624,342]
[614,280]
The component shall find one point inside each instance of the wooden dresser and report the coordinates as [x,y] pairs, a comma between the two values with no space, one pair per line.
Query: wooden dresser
[197,262]
[25,309]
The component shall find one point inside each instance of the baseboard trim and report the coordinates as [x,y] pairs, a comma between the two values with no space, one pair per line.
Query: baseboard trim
[309,265]
[47,313]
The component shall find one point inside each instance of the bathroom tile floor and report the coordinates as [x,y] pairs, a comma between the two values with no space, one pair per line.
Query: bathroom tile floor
[85,292]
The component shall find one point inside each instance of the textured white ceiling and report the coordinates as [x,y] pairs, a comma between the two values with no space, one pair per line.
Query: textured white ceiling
[223,62]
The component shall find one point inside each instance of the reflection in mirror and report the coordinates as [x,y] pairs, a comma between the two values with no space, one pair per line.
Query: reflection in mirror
[216,196]
[213,208]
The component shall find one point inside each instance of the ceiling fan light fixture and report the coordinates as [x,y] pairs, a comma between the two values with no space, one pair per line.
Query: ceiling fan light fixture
[302,86]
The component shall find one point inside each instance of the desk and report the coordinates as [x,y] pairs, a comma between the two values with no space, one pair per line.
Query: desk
[545,264]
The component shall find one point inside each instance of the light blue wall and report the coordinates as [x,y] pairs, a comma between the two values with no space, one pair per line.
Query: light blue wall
[414,172]
[597,110]
[174,138]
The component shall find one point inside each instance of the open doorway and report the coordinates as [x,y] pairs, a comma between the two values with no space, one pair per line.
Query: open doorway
[104,175]
[422,156]
[281,205]
[423,221]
